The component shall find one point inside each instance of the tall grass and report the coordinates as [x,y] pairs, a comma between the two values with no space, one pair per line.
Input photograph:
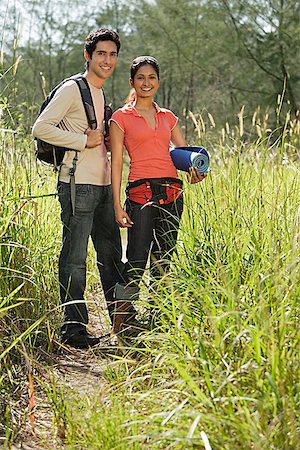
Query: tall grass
[29,235]
[222,368]
[29,239]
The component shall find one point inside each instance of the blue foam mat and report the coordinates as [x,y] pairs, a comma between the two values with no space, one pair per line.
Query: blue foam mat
[185,157]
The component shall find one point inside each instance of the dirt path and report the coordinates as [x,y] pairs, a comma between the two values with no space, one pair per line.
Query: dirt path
[79,370]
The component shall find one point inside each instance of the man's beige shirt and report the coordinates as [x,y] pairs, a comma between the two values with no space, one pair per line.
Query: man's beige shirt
[63,123]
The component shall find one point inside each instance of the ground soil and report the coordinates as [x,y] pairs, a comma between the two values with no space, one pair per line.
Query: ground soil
[78,370]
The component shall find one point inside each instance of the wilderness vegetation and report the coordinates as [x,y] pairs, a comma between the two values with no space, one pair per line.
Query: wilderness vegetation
[222,369]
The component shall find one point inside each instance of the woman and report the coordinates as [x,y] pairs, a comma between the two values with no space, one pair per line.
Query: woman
[154,201]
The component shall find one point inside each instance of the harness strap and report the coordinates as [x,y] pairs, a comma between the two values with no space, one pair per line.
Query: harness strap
[158,181]
[159,192]
[72,182]
[149,191]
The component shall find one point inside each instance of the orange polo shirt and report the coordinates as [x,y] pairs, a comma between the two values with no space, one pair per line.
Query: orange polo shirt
[148,148]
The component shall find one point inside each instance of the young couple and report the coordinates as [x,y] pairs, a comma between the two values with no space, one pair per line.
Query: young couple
[154,195]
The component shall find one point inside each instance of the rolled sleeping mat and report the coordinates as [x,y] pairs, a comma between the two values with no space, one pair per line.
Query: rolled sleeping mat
[185,157]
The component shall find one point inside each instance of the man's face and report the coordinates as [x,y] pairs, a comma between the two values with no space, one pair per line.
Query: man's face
[104,59]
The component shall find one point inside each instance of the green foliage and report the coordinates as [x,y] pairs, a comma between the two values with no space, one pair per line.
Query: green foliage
[222,364]
[28,260]
[214,56]
[26,256]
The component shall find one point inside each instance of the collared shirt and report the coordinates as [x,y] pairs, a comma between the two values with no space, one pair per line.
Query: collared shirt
[148,148]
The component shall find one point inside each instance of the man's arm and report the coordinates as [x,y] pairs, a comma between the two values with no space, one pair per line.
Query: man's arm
[57,112]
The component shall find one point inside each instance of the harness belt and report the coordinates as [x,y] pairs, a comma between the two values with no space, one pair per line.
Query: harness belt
[159,191]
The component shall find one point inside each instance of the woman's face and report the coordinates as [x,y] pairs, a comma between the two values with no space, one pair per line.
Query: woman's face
[145,81]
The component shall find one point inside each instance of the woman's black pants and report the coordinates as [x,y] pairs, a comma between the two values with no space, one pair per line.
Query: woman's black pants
[154,230]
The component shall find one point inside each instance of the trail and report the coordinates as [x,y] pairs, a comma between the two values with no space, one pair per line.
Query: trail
[78,370]
[68,368]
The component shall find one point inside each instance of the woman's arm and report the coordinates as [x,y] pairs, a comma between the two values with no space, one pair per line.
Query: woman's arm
[177,137]
[179,141]
[117,141]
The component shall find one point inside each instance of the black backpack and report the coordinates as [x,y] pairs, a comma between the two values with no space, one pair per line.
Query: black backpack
[53,154]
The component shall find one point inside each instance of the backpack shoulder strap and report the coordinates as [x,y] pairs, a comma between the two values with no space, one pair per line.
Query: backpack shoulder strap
[86,100]
[104,98]
[86,97]
[50,96]
[108,112]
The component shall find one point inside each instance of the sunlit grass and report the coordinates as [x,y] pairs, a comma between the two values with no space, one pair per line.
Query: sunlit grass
[29,241]
[222,366]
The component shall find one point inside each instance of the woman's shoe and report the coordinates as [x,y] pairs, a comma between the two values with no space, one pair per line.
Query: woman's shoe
[123,314]
[132,328]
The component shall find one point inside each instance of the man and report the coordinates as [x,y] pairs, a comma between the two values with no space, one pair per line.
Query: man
[63,122]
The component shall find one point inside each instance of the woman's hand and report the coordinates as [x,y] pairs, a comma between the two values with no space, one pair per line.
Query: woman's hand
[194,176]
[122,218]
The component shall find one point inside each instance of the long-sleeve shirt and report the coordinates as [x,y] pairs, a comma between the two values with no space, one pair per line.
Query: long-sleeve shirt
[63,122]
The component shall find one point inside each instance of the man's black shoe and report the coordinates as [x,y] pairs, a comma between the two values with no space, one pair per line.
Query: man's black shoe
[82,339]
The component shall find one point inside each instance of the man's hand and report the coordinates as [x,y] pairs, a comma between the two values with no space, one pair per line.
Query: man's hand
[194,176]
[94,138]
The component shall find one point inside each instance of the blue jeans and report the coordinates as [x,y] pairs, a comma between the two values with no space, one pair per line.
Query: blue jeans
[94,216]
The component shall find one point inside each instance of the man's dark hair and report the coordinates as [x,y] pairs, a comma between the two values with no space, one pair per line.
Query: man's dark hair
[103,34]
[142,61]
